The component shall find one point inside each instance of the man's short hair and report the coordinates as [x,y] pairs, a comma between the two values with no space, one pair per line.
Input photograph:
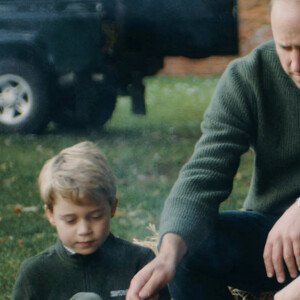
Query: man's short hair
[79,173]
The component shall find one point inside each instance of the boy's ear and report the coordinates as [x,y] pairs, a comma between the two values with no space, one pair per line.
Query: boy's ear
[49,215]
[114,207]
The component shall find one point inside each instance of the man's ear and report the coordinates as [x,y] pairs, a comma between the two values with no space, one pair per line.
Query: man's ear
[49,215]
[114,207]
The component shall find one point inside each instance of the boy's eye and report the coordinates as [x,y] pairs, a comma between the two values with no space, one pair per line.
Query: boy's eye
[69,221]
[96,217]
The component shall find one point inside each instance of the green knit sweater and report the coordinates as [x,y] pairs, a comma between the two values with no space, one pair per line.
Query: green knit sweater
[55,274]
[255,105]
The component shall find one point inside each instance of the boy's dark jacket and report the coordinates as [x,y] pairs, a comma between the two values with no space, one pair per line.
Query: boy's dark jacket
[56,274]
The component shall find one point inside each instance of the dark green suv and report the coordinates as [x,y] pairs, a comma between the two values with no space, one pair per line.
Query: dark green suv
[67,60]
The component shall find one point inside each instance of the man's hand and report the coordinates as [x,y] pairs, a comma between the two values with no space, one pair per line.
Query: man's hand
[290,292]
[283,245]
[159,272]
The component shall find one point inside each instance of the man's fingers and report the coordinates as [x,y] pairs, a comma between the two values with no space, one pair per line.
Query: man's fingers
[283,245]
[268,260]
[156,282]
[296,249]
[155,297]
[160,271]
[161,275]
[277,261]
[289,259]
[147,282]
[149,288]
[137,283]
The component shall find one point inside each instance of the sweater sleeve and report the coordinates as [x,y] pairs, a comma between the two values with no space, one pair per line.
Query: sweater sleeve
[207,179]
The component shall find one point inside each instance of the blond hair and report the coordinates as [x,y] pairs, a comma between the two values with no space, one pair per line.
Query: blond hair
[79,173]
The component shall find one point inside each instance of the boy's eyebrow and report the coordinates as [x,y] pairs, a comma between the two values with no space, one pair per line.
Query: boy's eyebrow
[96,210]
[66,215]
[90,212]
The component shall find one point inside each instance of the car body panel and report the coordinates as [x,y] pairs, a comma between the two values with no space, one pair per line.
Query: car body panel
[67,31]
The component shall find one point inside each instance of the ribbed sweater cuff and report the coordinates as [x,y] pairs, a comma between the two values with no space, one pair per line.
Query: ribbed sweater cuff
[193,232]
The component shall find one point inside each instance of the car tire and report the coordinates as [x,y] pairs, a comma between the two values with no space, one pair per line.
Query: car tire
[24,104]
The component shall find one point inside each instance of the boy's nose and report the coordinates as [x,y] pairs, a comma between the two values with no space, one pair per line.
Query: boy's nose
[84,228]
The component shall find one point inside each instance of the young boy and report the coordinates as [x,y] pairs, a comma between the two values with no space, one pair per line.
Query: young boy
[87,262]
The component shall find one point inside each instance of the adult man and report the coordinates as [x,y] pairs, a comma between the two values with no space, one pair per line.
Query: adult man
[256,104]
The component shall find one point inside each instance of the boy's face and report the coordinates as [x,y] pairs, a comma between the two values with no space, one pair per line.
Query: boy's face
[82,228]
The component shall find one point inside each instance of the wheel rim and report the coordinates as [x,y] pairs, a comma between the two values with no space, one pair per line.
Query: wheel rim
[15,99]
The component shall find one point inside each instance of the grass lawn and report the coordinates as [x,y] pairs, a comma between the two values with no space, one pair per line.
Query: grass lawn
[145,153]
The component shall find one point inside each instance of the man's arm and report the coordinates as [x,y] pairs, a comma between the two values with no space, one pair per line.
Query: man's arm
[283,245]
[160,271]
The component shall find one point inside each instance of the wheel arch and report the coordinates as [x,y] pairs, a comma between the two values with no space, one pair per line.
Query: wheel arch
[26,47]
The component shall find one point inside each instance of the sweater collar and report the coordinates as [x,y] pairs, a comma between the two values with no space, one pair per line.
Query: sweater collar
[74,258]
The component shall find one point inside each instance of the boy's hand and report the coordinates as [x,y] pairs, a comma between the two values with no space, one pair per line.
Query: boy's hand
[283,245]
[159,272]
